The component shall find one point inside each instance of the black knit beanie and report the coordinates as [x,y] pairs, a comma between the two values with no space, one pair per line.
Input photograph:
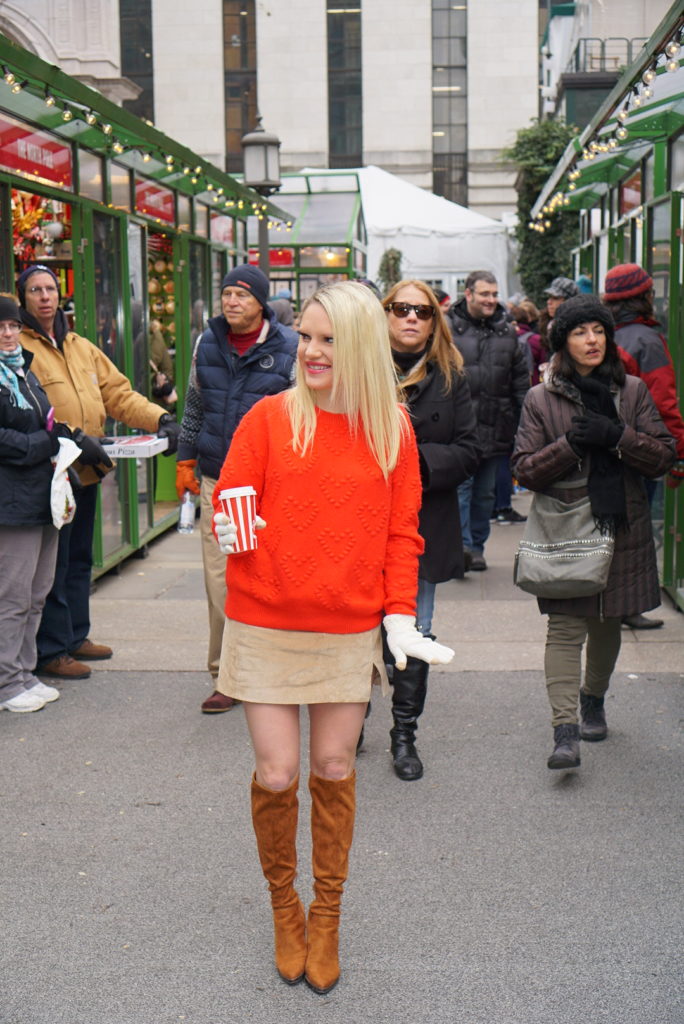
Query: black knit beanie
[35,268]
[251,279]
[9,309]
[581,309]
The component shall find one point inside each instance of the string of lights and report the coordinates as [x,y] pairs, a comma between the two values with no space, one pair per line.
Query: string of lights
[638,94]
[199,176]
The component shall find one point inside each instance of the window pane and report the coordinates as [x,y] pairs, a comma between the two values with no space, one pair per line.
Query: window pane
[677,163]
[239,63]
[106,244]
[135,25]
[345,135]
[449,108]
[120,183]
[91,175]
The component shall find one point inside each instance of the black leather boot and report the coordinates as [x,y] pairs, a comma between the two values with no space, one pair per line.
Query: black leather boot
[566,751]
[359,742]
[409,687]
[593,718]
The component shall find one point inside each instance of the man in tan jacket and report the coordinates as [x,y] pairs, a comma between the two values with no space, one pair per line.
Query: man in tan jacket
[84,387]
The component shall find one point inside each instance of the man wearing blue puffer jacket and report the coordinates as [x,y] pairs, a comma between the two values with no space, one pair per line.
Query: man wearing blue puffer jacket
[243,355]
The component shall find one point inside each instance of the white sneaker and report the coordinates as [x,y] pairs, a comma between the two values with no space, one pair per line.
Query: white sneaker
[25,701]
[48,693]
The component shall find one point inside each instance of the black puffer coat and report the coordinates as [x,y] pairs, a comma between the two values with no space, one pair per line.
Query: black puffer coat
[543,459]
[497,374]
[25,450]
[444,424]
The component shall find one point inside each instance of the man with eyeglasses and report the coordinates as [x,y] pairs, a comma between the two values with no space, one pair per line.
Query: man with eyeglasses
[84,387]
[499,379]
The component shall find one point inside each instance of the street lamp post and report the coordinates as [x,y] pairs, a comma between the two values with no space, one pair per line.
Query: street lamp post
[261,163]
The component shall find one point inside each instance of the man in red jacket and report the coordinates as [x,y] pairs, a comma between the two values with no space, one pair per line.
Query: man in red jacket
[643,349]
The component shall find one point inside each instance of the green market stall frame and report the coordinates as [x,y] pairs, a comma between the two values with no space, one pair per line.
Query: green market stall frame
[624,174]
[140,232]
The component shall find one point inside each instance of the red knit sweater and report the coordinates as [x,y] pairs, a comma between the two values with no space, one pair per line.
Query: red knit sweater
[341,543]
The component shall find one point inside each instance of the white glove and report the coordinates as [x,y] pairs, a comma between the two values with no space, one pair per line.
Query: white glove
[226,531]
[404,640]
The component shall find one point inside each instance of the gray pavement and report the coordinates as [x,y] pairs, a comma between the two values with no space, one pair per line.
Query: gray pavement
[491,892]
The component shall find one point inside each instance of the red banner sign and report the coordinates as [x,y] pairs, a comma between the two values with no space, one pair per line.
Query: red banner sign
[276,257]
[154,201]
[35,154]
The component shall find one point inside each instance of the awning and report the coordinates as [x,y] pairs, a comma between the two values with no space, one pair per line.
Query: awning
[636,113]
[44,95]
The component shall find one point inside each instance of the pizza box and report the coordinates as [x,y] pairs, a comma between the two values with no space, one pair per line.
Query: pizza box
[138,446]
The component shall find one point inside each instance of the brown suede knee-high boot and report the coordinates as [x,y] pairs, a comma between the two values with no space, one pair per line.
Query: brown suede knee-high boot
[274,816]
[333,808]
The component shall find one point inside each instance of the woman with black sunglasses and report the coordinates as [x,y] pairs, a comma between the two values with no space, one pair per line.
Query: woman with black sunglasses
[432,384]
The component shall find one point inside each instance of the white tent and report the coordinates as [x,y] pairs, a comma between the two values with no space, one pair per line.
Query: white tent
[438,240]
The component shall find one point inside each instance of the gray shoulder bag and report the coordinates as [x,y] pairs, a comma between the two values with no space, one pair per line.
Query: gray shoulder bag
[562,552]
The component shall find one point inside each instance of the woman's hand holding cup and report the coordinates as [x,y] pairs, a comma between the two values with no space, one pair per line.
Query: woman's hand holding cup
[227,532]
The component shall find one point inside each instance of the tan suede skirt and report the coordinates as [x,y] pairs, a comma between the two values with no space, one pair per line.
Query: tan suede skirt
[279,666]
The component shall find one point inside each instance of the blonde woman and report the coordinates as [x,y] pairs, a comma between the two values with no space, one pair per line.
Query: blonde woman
[433,385]
[334,465]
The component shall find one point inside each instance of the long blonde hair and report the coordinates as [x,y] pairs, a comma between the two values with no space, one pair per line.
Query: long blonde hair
[441,350]
[364,380]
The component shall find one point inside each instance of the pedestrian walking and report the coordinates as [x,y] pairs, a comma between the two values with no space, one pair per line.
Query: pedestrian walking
[498,378]
[629,295]
[433,385]
[589,424]
[29,438]
[559,291]
[334,466]
[244,354]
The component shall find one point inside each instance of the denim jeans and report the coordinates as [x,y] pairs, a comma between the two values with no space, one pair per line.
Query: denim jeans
[504,483]
[425,606]
[476,502]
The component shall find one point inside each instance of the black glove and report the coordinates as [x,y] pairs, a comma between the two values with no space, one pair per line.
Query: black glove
[54,441]
[163,388]
[169,428]
[54,432]
[92,452]
[594,430]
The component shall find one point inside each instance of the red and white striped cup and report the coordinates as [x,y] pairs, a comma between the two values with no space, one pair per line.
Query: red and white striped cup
[239,504]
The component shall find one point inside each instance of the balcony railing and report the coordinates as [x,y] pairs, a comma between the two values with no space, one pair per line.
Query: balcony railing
[610,54]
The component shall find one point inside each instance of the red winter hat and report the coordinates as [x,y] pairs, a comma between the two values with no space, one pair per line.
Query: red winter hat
[625,281]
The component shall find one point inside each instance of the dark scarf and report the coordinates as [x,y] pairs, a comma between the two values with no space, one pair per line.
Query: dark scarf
[606,482]
[60,326]
[406,361]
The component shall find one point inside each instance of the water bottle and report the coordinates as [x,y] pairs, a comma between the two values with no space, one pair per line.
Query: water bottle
[186,519]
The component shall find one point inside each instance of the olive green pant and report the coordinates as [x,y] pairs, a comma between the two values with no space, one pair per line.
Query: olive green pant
[565,638]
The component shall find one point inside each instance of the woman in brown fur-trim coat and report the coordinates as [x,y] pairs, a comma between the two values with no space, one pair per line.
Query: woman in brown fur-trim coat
[588,420]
